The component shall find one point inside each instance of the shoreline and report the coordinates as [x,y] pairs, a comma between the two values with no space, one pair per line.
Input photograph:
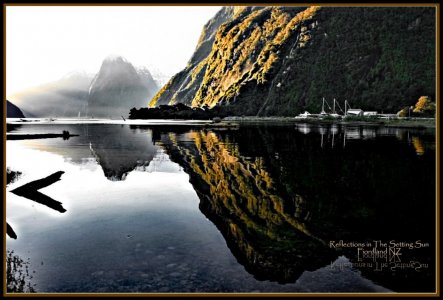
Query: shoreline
[424,123]
[420,123]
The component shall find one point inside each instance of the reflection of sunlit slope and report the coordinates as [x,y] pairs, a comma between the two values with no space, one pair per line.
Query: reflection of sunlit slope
[267,235]
[275,194]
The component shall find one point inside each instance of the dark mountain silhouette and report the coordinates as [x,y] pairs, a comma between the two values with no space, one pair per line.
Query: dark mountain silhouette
[12,111]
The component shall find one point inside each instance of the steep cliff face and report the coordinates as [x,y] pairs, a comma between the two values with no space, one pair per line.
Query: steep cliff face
[283,60]
[118,87]
[181,87]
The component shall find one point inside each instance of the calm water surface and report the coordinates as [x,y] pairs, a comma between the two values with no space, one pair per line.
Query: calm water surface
[255,209]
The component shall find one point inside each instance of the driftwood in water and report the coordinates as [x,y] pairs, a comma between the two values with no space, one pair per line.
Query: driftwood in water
[30,191]
[65,135]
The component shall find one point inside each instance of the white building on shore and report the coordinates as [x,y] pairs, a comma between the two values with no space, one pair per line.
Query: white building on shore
[354,112]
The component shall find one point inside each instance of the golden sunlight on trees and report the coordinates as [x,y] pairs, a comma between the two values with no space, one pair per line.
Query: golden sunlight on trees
[423,108]
[424,104]
[403,113]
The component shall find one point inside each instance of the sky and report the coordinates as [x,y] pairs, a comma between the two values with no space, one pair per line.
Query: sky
[44,43]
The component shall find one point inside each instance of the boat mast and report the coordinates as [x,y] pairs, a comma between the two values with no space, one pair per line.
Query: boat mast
[338,104]
[333,107]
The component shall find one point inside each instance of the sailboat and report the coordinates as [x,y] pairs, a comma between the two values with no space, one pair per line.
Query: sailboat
[304,115]
[323,107]
[323,112]
[334,112]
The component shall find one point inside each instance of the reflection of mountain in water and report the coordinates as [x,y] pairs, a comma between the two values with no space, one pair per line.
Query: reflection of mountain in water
[279,198]
[267,233]
[116,148]
[119,151]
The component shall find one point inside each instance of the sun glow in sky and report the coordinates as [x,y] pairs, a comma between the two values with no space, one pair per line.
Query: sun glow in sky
[44,43]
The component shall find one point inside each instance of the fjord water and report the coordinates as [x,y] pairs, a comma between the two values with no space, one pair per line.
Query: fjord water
[248,209]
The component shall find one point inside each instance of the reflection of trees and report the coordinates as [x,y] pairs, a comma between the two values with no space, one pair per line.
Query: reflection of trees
[418,145]
[277,197]
[417,140]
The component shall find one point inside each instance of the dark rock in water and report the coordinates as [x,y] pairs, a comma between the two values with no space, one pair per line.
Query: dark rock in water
[12,111]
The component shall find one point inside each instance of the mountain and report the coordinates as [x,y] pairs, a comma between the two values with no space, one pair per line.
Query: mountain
[147,77]
[65,97]
[12,111]
[181,88]
[159,77]
[283,60]
[118,87]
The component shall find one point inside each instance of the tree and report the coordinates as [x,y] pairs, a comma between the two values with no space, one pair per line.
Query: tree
[424,105]
[133,113]
[403,113]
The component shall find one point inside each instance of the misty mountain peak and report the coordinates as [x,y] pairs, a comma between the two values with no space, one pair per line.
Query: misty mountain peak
[115,58]
[113,91]
[142,70]
[118,87]
[77,74]
[115,71]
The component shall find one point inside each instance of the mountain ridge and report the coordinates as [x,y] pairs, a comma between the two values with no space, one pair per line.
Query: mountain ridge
[280,61]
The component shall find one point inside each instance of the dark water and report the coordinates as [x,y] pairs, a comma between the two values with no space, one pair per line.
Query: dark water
[255,209]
